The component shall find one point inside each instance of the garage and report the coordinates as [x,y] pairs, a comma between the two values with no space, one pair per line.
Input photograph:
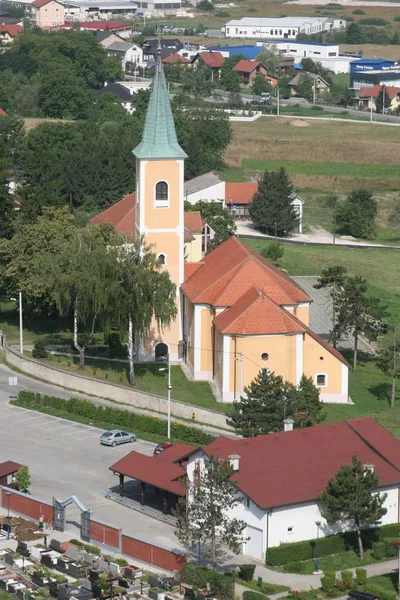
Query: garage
[254,546]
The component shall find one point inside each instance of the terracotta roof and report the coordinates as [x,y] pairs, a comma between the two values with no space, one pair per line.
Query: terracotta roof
[187,236]
[121,215]
[2,113]
[175,58]
[159,473]
[190,268]
[240,193]
[231,269]
[13,29]
[193,221]
[373,91]
[304,459]
[212,59]
[8,467]
[246,66]
[255,314]
[175,452]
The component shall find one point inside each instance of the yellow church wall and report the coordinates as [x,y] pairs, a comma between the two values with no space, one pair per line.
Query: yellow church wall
[303,313]
[193,249]
[207,317]
[167,244]
[162,170]
[189,320]
[219,358]
[282,356]
[316,359]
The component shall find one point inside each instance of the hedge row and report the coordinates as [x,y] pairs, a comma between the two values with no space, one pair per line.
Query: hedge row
[220,584]
[114,417]
[332,544]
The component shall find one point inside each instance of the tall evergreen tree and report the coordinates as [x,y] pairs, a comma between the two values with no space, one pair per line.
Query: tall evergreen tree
[307,400]
[203,517]
[268,401]
[272,207]
[333,278]
[356,214]
[358,313]
[351,496]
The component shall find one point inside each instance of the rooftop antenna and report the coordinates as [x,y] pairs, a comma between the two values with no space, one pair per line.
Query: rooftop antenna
[159,44]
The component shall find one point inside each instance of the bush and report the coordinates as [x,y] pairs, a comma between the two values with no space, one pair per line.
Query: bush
[361,575]
[397,18]
[376,22]
[316,107]
[347,578]
[198,577]
[378,550]
[358,11]
[328,583]
[39,349]
[295,567]
[114,416]
[381,592]
[222,13]
[249,595]
[246,572]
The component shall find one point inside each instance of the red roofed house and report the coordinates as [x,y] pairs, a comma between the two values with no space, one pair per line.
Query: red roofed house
[249,69]
[212,60]
[236,312]
[47,13]
[368,96]
[175,58]
[280,476]
[124,30]
[9,31]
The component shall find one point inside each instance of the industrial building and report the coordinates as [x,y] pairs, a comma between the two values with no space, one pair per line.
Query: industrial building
[374,71]
[283,28]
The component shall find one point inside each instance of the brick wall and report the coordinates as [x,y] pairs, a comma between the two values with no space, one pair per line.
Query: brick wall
[154,555]
[31,507]
[105,534]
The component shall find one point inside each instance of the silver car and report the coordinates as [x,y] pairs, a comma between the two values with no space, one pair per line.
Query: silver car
[116,436]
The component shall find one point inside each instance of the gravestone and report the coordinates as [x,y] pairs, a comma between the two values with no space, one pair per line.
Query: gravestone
[73,552]
[8,558]
[114,568]
[104,565]
[87,585]
[87,558]
[56,545]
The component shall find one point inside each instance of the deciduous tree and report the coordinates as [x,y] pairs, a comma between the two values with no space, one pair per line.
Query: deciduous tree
[271,58]
[356,214]
[388,361]
[23,479]
[383,101]
[261,85]
[351,497]
[203,517]
[273,252]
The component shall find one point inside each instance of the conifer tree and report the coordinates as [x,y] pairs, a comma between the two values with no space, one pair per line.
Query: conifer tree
[309,402]
[334,278]
[350,496]
[272,207]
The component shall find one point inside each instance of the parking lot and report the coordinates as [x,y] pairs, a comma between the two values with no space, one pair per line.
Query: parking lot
[67,459]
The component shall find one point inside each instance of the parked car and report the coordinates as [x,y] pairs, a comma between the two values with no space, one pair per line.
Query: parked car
[161,447]
[113,437]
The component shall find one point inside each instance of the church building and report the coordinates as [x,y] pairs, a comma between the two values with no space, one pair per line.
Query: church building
[236,313]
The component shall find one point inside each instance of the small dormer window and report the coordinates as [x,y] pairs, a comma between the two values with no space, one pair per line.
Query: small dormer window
[162,195]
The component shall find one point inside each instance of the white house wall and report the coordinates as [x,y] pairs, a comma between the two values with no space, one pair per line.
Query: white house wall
[213,193]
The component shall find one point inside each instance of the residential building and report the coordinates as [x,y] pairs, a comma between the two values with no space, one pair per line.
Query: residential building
[130,54]
[249,69]
[211,59]
[326,54]
[280,28]
[239,195]
[121,92]
[47,13]
[168,46]
[124,30]
[9,31]
[280,476]
[81,9]
[368,95]
[209,187]
[236,312]
[175,59]
[319,84]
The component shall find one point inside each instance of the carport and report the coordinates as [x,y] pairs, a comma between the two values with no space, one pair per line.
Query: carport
[154,476]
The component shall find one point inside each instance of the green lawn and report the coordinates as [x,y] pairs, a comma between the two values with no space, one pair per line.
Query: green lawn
[387,582]
[264,588]
[336,562]
[148,379]
[332,169]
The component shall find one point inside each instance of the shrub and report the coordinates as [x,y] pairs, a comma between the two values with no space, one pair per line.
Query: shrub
[249,595]
[254,10]
[200,576]
[39,349]
[358,11]
[361,575]
[295,567]
[316,107]
[378,550]
[246,572]
[347,579]
[374,21]
[328,583]
[222,13]
[397,18]
[381,592]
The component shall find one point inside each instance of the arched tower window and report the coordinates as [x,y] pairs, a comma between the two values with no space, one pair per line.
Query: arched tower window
[162,259]
[162,195]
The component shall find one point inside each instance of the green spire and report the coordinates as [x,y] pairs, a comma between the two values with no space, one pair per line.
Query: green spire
[159,136]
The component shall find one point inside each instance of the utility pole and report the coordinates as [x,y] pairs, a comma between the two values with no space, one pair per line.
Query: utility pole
[313,92]
[21,330]
[334,222]
[394,370]
[371,109]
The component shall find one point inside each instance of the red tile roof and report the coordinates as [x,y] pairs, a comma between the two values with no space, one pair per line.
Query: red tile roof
[187,236]
[13,29]
[2,113]
[121,215]
[193,221]
[152,470]
[212,59]
[255,314]
[9,467]
[175,58]
[304,459]
[246,66]
[373,91]
[100,25]
[240,193]
[231,269]
[175,452]
[191,268]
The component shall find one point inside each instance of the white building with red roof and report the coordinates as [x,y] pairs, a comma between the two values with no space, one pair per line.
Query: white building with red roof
[237,314]
[280,476]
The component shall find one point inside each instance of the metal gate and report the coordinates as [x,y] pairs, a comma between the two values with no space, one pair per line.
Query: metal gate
[85,526]
[59,515]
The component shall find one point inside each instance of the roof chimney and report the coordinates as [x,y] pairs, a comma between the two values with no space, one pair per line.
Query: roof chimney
[234,460]
[288,425]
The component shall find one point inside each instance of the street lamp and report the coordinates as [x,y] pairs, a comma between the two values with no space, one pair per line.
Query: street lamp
[169,388]
[317,571]
[8,494]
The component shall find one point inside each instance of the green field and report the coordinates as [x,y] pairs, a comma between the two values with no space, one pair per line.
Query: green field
[334,169]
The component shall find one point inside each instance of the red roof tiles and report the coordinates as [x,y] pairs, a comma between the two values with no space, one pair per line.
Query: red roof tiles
[374,91]
[292,467]
[240,193]
[9,467]
[175,58]
[193,221]
[231,269]
[13,29]
[255,314]
[2,113]
[121,215]
[246,66]
[215,60]
[191,268]
[100,25]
